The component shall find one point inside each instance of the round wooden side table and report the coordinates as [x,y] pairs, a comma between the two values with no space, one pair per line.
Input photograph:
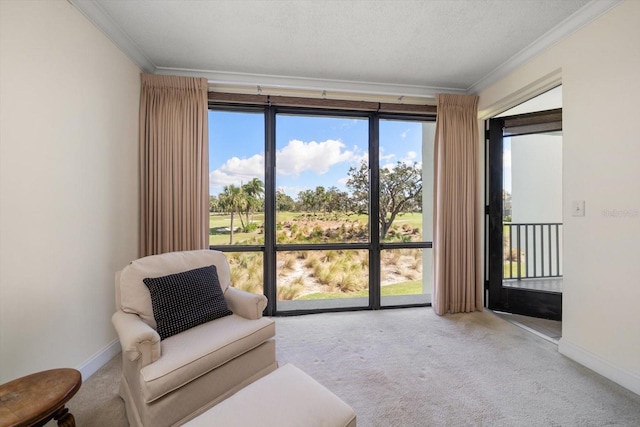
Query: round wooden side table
[37,398]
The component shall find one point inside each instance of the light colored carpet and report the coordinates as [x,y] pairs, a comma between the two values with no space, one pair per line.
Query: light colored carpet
[410,367]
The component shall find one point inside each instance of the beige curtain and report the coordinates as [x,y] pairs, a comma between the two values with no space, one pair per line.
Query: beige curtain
[174,149]
[457,284]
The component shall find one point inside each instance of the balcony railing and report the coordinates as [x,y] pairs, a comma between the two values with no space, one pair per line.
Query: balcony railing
[532,250]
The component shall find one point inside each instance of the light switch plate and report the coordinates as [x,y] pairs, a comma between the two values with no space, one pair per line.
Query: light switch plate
[577,208]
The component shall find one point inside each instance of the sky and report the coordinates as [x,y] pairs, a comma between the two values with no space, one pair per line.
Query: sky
[310,151]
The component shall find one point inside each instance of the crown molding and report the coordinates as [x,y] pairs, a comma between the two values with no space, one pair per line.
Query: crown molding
[573,23]
[266,81]
[103,21]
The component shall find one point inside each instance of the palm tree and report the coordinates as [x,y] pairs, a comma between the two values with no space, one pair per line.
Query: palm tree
[252,190]
[231,200]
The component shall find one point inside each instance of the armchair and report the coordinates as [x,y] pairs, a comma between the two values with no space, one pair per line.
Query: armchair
[167,382]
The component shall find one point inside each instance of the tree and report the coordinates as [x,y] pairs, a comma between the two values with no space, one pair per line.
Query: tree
[400,191]
[506,206]
[320,198]
[252,201]
[336,200]
[307,199]
[214,204]
[284,202]
[231,200]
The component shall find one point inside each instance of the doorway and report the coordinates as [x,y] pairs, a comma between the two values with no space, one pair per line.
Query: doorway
[524,214]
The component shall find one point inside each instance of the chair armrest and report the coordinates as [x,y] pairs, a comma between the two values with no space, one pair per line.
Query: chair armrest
[138,340]
[245,304]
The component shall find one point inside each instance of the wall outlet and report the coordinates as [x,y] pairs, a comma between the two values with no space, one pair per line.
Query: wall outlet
[577,208]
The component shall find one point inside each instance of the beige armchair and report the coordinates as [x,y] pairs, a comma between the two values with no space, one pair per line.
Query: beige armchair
[167,382]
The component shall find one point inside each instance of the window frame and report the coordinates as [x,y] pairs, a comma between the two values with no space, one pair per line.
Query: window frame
[270,248]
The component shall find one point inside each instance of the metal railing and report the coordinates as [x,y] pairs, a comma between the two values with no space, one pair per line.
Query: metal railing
[532,250]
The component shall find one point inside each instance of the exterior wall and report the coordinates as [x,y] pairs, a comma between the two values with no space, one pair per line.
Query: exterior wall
[536,178]
[598,67]
[68,186]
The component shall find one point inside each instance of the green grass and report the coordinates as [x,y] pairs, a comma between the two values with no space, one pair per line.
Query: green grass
[413,287]
[219,237]
[413,219]
[514,270]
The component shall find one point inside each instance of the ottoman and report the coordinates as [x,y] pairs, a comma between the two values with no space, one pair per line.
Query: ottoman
[285,397]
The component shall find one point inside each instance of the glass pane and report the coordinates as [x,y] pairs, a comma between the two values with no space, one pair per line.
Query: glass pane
[322,179]
[247,271]
[405,276]
[532,211]
[406,181]
[322,279]
[236,178]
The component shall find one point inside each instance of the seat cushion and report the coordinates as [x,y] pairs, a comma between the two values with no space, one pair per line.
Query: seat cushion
[132,296]
[287,397]
[183,300]
[193,353]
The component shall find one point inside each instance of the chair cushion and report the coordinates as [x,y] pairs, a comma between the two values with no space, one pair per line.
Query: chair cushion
[134,297]
[287,397]
[194,352]
[183,300]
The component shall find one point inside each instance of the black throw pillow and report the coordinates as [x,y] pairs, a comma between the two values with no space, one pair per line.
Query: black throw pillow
[183,300]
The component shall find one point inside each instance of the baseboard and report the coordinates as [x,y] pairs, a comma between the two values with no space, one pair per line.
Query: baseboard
[98,360]
[626,379]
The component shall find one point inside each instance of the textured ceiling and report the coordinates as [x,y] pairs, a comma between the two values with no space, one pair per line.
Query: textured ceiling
[413,45]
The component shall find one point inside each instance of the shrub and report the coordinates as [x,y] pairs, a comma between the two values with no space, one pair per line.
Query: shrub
[252,226]
[322,274]
[288,292]
[289,262]
[330,256]
[348,283]
[513,256]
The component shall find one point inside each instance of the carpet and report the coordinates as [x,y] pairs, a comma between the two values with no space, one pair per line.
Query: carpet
[410,367]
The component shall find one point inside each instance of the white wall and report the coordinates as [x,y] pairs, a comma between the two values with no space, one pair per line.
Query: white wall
[599,68]
[536,178]
[68,186]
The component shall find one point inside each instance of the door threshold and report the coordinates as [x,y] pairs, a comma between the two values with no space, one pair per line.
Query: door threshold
[531,324]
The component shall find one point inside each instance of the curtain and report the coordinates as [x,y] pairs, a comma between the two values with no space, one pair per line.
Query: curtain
[457,280]
[174,189]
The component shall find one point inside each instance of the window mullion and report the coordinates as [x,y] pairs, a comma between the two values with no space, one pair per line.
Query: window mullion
[374,209]
[269,214]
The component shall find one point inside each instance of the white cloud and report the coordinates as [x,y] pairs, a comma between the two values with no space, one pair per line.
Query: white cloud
[290,190]
[404,134]
[299,156]
[384,156]
[237,171]
[389,166]
[409,159]
[343,180]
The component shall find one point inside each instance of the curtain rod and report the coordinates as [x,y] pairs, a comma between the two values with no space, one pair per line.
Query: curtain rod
[337,104]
